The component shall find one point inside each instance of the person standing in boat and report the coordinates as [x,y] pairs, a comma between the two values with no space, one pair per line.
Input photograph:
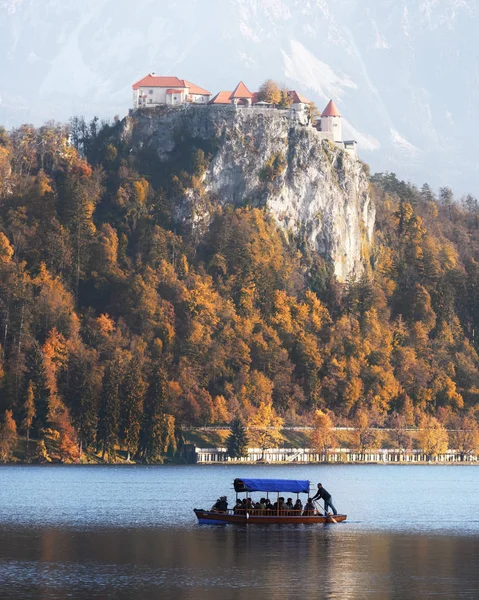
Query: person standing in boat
[326,497]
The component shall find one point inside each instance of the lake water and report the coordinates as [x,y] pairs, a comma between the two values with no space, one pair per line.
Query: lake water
[129,533]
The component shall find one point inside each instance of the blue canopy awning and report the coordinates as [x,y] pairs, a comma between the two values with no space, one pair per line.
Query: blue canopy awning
[295,486]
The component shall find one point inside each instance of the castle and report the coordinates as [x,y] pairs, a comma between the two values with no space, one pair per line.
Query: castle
[153,90]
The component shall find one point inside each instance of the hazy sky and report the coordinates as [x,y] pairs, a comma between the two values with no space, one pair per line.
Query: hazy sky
[403,72]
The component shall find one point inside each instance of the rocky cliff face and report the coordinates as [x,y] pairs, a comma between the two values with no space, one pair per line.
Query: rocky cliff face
[262,158]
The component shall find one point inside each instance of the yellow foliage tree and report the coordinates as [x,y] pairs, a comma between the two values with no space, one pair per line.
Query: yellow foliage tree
[8,437]
[464,436]
[323,436]
[269,91]
[367,437]
[6,250]
[264,427]
[105,325]
[55,353]
[221,412]
[433,437]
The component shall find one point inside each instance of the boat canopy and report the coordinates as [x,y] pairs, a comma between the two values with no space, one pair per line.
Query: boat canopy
[295,486]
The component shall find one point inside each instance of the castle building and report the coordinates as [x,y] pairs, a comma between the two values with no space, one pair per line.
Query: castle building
[241,96]
[153,91]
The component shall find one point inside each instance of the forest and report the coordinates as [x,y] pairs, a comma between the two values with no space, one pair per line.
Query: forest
[120,328]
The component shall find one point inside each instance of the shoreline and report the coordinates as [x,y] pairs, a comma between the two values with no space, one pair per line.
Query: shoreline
[244,464]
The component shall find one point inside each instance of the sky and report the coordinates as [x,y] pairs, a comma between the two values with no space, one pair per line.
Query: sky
[402,72]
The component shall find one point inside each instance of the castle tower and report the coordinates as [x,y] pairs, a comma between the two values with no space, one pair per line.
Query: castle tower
[331,121]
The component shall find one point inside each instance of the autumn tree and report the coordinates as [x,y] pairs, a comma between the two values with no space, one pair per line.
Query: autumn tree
[8,437]
[367,437]
[237,441]
[313,113]
[433,437]
[323,436]
[220,408]
[286,99]
[270,92]
[400,433]
[41,454]
[464,436]
[264,427]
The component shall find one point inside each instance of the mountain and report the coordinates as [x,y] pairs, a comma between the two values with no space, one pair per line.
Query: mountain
[401,72]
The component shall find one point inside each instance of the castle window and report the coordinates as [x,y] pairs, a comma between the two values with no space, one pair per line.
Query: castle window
[150,91]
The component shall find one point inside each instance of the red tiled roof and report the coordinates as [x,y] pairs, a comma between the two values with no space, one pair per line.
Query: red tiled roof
[170,82]
[195,89]
[155,81]
[221,98]
[298,98]
[174,91]
[241,91]
[330,110]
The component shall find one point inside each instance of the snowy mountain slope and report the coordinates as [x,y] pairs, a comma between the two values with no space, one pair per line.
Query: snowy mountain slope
[403,72]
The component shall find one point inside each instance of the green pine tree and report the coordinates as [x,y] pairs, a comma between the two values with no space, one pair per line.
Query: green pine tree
[132,397]
[82,394]
[109,414]
[158,430]
[237,441]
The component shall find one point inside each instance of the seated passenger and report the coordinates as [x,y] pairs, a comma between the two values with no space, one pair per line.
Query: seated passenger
[263,503]
[269,506]
[238,506]
[309,508]
[298,505]
[289,505]
[221,505]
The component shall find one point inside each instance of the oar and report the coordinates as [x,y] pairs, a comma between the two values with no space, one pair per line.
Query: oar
[325,512]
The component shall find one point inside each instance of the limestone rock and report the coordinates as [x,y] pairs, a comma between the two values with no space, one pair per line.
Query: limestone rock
[270,158]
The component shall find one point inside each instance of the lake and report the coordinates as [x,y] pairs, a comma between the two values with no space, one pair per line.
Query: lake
[95,532]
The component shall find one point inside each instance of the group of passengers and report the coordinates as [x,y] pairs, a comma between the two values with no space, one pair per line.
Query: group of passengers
[265,506]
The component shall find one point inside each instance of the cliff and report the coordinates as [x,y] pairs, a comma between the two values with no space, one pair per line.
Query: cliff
[315,190]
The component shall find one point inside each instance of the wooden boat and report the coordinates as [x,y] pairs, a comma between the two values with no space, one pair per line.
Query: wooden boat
[260,516]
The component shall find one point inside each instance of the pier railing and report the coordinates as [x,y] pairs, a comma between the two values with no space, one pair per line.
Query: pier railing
[337,455]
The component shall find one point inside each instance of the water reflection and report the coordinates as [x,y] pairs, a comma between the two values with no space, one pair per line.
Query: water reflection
[234,562]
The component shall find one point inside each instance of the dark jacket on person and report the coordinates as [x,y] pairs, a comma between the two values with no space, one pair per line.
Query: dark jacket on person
[221,505]
[322,493]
